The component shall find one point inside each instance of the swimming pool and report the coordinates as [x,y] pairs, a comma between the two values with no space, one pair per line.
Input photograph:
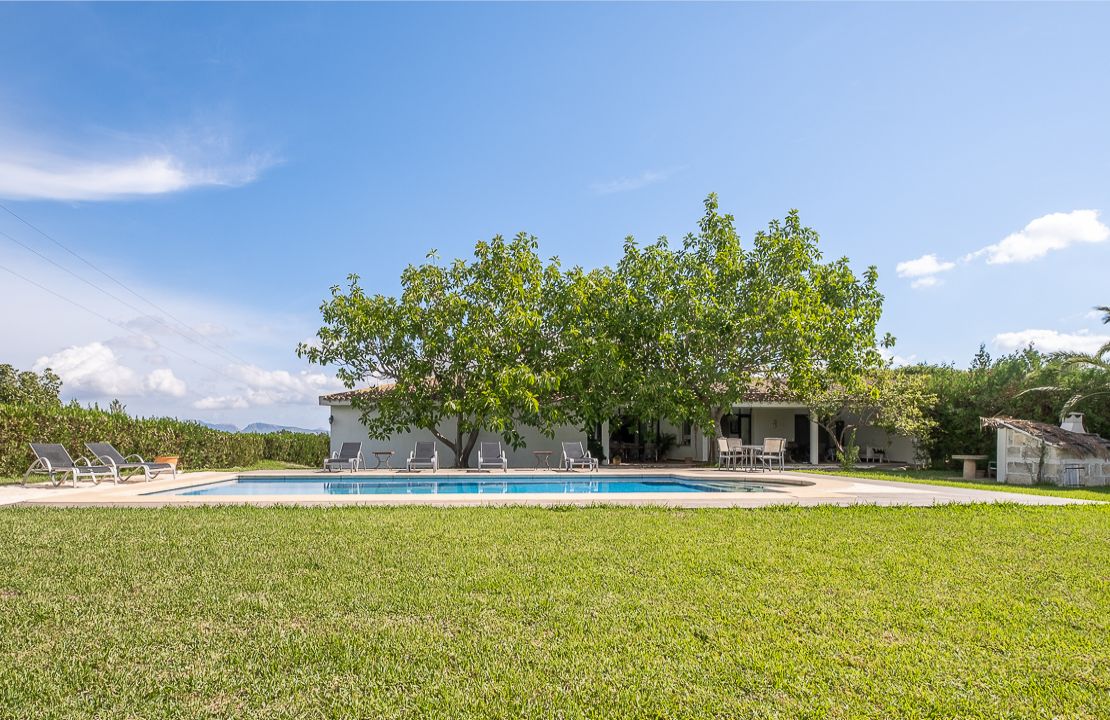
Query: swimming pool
[463,485]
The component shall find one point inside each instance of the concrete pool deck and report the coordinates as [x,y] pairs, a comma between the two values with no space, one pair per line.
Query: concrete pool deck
[790,488]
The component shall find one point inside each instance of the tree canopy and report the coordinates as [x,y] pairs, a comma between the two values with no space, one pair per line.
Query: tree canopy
[466,347]
[505,340]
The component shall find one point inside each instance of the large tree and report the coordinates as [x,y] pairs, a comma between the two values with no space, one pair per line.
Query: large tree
[504,340]
[467,346]
[699,325]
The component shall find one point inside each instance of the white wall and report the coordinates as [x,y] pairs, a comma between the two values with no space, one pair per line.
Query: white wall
[774,423]
[346,427]
[899,449]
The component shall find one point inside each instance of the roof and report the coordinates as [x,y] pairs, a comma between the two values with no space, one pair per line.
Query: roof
[1053,435]
[345,397]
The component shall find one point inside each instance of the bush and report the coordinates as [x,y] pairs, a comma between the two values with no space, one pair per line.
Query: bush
[198,446]
[300,448]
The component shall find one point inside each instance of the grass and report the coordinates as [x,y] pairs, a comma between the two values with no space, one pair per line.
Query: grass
[987,611]
[260,465]
[945,477]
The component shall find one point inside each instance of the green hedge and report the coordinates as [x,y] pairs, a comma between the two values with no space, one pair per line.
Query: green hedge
[198,446]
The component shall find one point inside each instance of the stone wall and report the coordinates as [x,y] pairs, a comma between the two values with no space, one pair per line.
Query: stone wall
[1028,460]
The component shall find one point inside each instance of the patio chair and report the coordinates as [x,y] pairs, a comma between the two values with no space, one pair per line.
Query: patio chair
[574,455]
[424,455]
[349,457]
[107,454]
[490,455]
[741,453]
[726,456]
[53,460]
[773,449]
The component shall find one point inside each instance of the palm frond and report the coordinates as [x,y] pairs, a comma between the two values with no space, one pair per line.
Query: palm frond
[1043,388]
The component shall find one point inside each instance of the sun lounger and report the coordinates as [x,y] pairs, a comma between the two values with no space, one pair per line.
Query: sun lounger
[490,455]
[349,457]
[53,460]
[574,455]
[424,455]
[108,455]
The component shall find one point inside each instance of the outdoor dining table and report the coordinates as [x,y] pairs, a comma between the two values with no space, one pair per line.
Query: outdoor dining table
[749,452]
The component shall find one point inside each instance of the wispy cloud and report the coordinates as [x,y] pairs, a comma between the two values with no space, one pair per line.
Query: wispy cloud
[1054,231]
[64,178]
[270,387]
[110,164]
[625,184]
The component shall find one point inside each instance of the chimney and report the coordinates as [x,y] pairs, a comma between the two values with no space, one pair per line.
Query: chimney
[1074,423]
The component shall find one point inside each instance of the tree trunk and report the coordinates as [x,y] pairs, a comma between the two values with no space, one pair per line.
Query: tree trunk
[471,441]
[443,439]
[717,414]
[460,455]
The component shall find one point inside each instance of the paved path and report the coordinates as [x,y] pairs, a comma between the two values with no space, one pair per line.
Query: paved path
[11,494]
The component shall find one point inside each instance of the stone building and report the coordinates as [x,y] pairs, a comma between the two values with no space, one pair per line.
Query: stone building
[1033,452]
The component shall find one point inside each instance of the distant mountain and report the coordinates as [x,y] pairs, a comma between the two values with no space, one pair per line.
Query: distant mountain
[218,426]
[257,427]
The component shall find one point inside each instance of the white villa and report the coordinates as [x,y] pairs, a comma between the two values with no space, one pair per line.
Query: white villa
[762,415]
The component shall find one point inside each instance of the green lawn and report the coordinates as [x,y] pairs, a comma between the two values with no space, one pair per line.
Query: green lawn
[959,611]
[954,479]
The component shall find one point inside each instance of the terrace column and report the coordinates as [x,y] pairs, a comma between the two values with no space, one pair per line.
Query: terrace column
[813,439]
[605,439]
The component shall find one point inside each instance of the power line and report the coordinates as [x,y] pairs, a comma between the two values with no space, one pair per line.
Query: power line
[115,297]
[123,327]
[207,344]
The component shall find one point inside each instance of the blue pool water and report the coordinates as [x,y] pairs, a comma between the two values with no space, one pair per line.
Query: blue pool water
[479,485]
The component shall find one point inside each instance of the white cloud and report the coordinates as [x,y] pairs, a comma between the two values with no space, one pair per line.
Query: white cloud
[924,265]
[624,184]
[1055,231]
[271,387]
[1051,340]
[221,402]
[895,359]
[96,368]
[924,270]
[92,367]
[164,382]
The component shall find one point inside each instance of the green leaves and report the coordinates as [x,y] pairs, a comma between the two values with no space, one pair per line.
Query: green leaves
[28,388]
[503,339]
[470,341]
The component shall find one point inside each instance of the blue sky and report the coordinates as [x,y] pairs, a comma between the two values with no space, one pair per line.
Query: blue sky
[230,163]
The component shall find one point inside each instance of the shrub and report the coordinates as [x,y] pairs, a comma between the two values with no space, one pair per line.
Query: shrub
[300,448]
[198,446]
